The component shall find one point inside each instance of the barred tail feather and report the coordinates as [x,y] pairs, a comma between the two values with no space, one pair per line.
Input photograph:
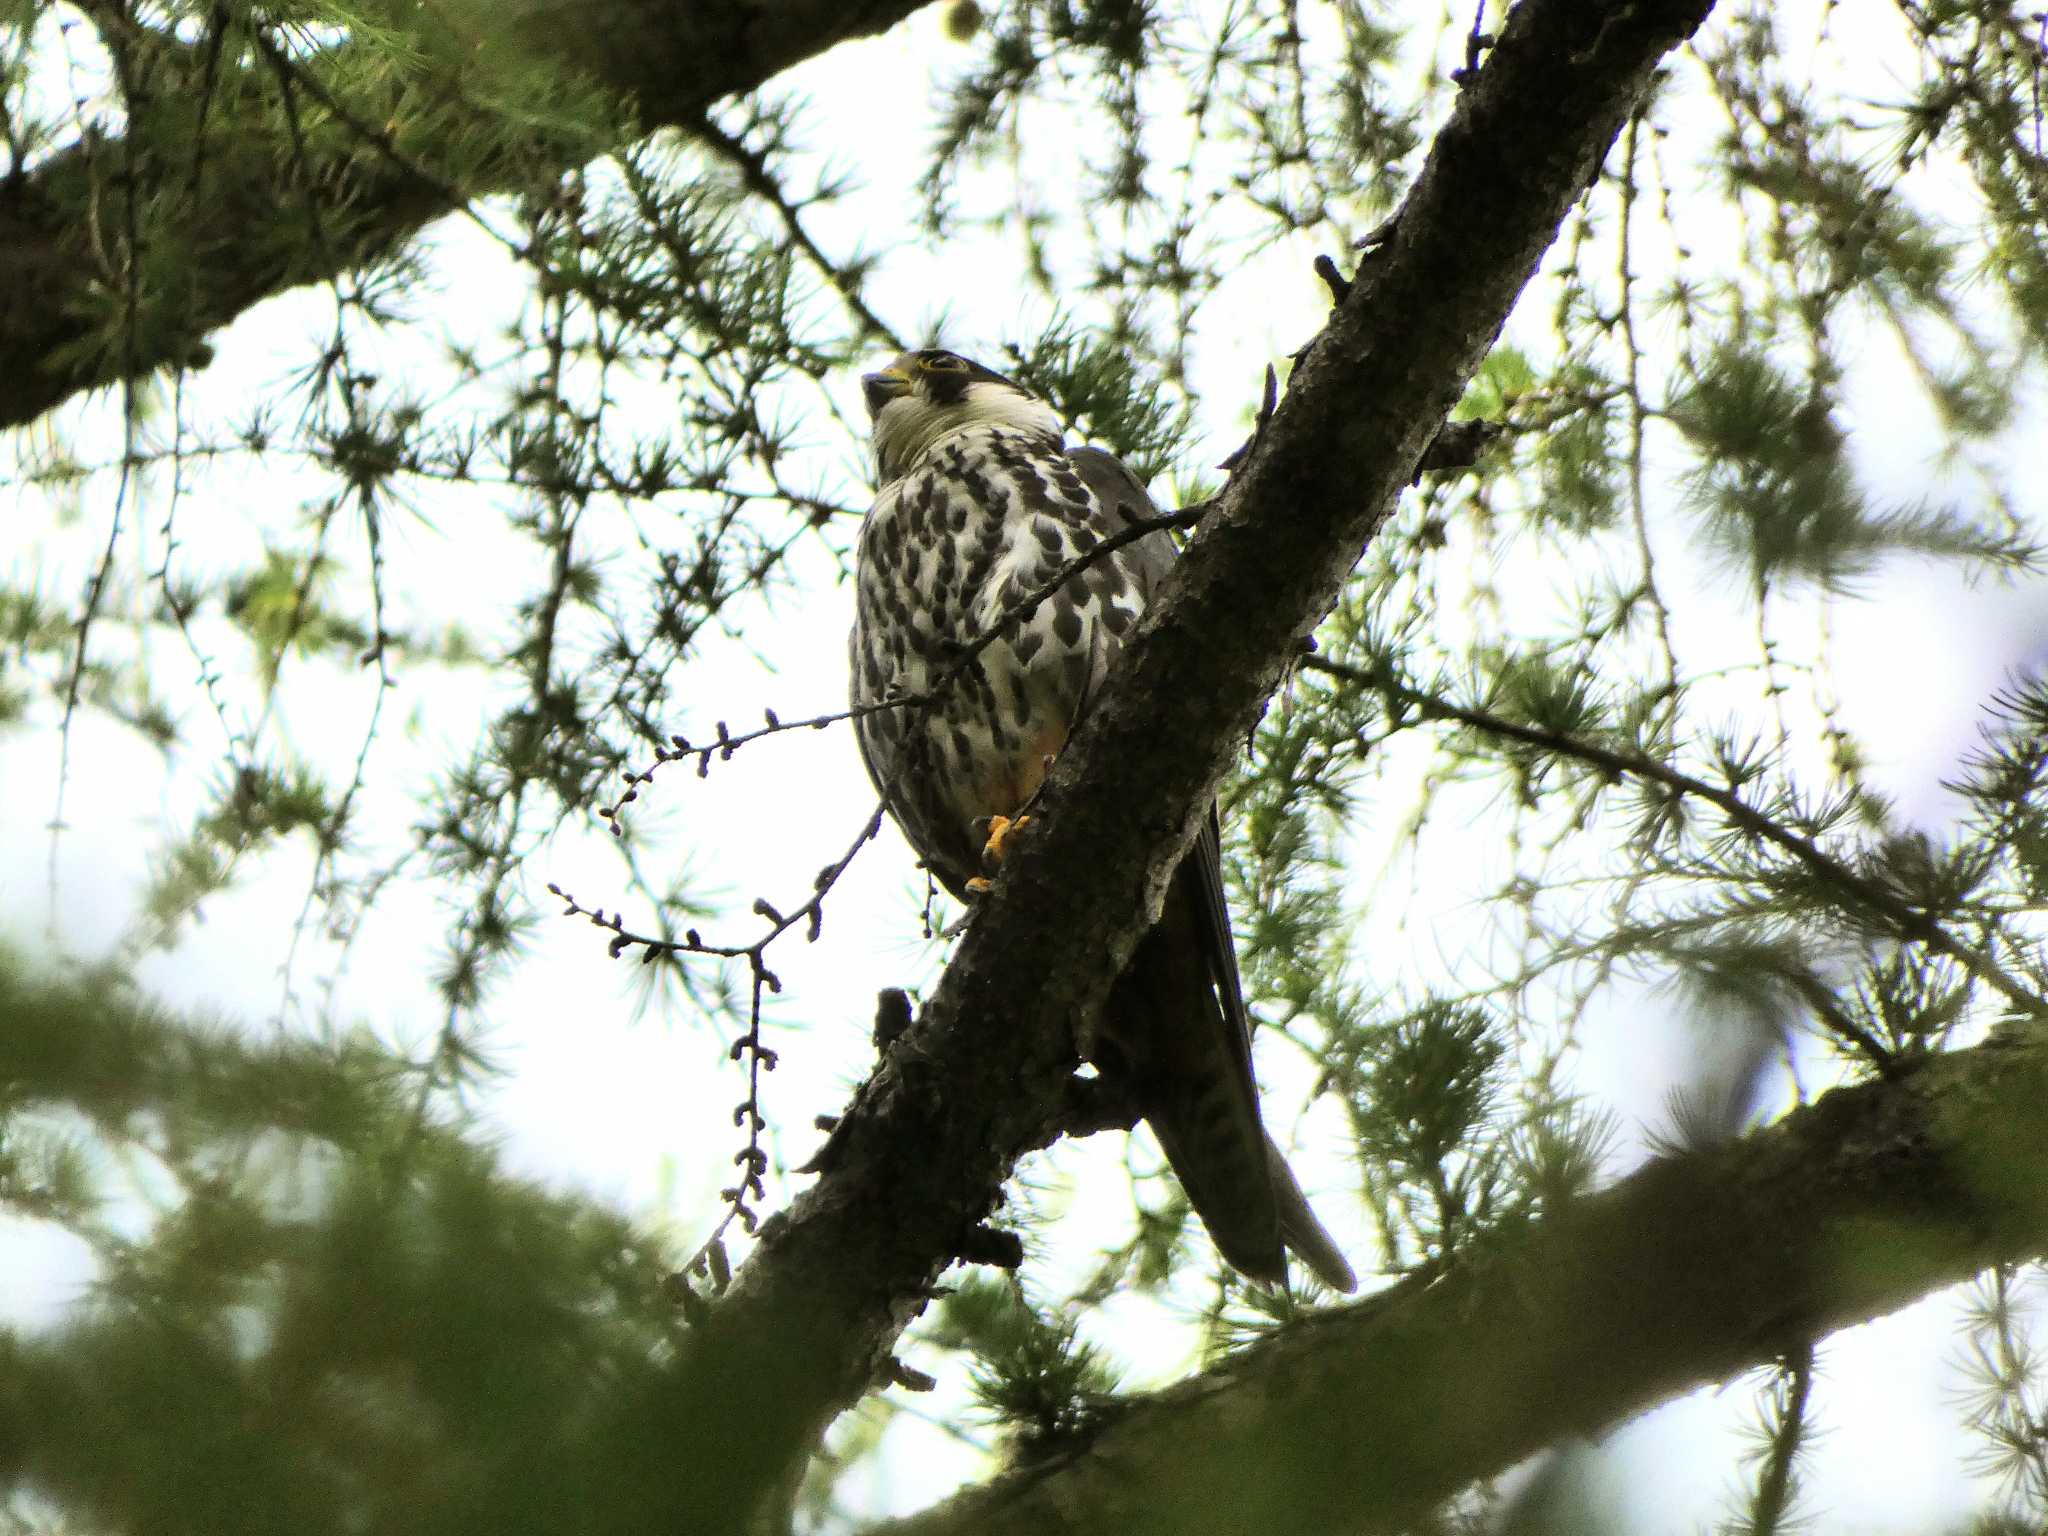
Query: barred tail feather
[1174,1031]
[1202,1134]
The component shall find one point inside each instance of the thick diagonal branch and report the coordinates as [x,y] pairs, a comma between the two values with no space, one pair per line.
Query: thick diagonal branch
[254,172]
[924,1149]
[1697,1268]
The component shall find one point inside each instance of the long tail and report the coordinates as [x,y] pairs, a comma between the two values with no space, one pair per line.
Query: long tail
[1168,1032]
[1308,1238]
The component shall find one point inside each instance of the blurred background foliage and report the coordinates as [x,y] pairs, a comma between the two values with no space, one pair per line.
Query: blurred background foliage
[1575,732]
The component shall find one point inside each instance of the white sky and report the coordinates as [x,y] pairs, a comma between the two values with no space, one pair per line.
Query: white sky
[636,1112]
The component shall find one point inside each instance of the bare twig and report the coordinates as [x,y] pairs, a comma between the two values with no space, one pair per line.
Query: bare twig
[751,1159]
[1477,41]
[1907,922]
[729,743]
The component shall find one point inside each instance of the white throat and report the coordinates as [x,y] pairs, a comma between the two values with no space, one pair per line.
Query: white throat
[909,427]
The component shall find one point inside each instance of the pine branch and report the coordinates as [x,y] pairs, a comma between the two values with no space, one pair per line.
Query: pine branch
[758,176]
[1854,890]
[924,1149]
[1367,1417]
[235,212]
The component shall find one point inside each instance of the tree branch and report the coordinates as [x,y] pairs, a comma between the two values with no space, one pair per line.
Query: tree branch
[1367,1417]
[1852,889]
[225,222]
[922,1153]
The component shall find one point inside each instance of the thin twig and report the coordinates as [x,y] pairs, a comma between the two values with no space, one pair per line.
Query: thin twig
[729,743]
[1908,922]
[758,179]
[709,1257]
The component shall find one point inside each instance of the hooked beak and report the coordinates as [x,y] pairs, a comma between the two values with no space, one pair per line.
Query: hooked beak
[881,388]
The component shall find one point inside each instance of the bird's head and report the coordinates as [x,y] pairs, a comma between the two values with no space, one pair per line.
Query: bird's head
[928,395]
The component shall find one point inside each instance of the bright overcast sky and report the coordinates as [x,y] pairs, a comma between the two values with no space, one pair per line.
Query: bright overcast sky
[637,1111]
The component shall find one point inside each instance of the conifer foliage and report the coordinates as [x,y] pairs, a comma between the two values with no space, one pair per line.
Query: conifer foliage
[483,376]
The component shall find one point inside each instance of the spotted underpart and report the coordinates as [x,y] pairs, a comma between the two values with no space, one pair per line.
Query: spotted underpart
[985,516]
[981,505]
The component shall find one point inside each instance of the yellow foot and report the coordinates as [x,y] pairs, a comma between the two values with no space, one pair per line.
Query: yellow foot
[1000,830]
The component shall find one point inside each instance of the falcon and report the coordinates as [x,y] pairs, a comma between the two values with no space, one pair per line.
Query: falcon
[981,502]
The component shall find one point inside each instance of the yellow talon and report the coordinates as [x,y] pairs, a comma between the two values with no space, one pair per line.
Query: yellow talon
[1000,830]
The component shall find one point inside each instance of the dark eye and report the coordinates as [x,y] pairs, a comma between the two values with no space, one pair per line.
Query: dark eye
[946,362]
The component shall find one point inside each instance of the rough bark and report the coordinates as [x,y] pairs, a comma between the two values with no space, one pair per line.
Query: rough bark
[233,185]
[1696,1268]
[921,1156]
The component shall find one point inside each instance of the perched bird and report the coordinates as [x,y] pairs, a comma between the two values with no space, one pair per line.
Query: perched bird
[980,502]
